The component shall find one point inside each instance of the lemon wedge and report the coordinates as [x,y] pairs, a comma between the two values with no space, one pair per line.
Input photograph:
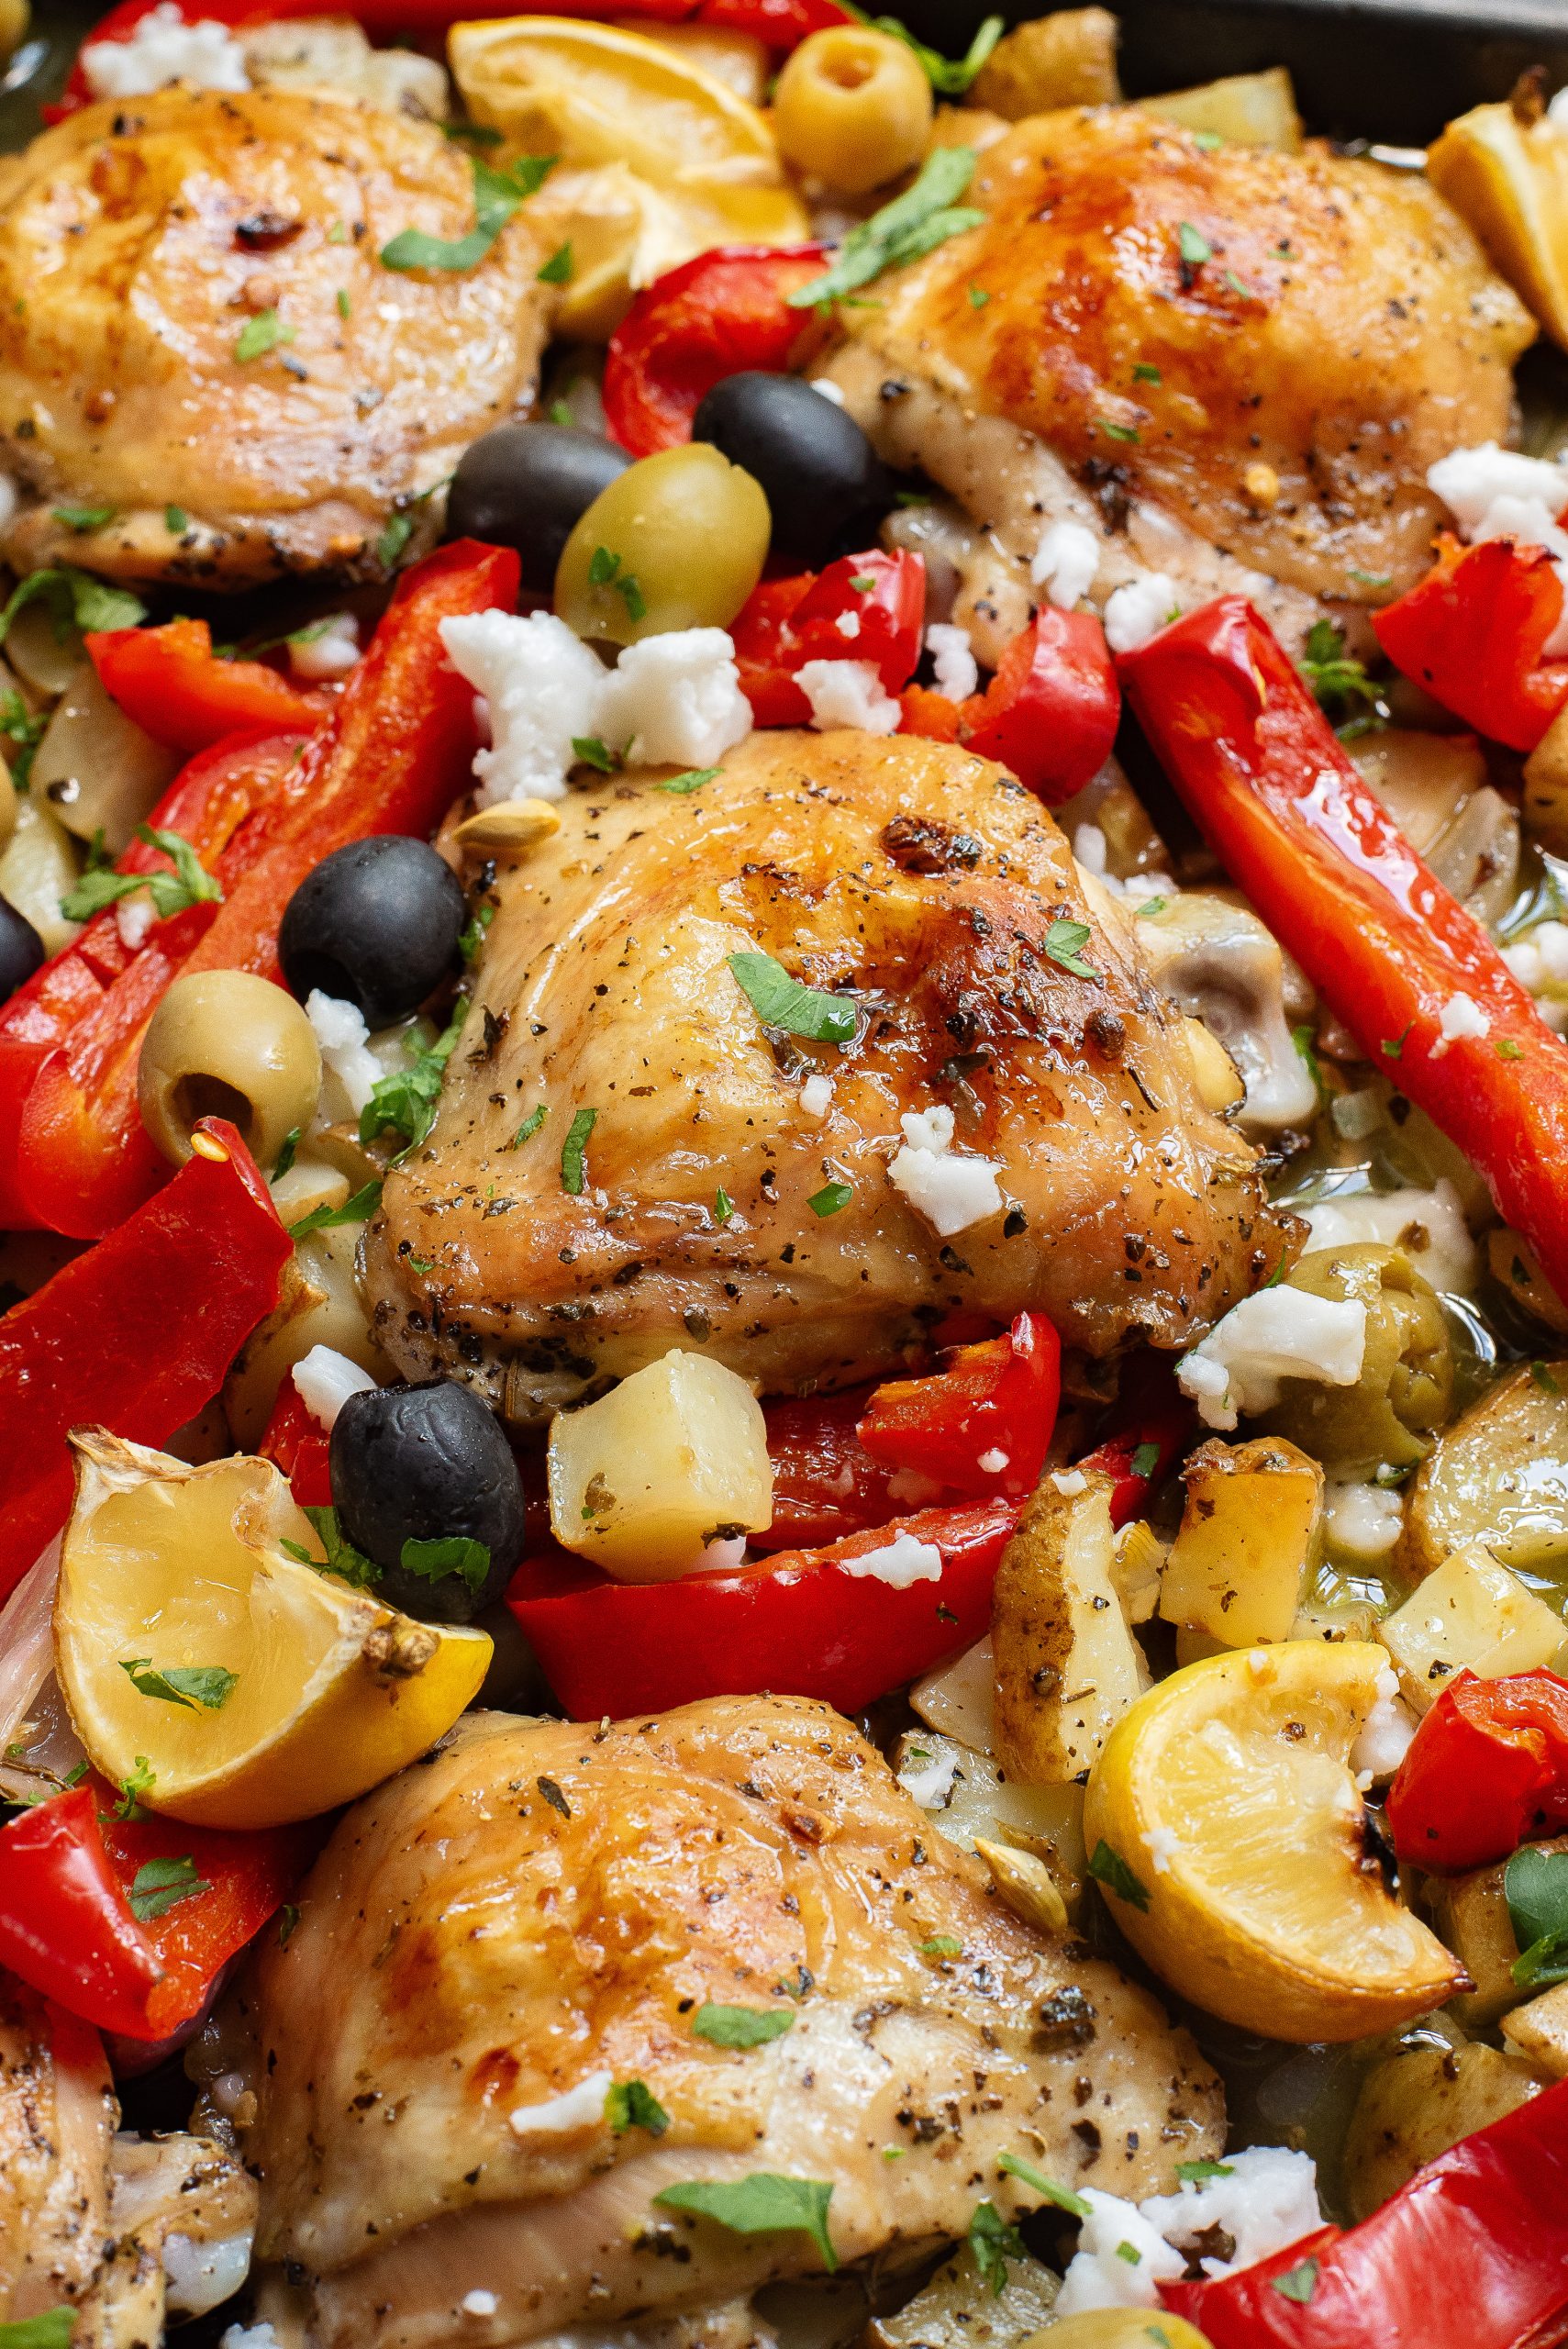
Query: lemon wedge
[1508,179]
[256,1688]
[1225,1828]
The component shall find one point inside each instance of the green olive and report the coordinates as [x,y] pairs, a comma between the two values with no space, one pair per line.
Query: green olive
[853,108]
[228,1044]
[1392,1413]
[678,541]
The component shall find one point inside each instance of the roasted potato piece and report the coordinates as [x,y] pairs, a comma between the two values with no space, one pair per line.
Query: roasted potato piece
[1067,1665]
[1417,2104]
[1391,1416]
[1138,1560]
[1065,59]
[1515,1266]
[972,1802]
[1470,1611]
[958,1698]
[1499,1475]
[1247,109]
[1544,801]
[1507,176]
[958,2309]
[38,867]
[1539,2031]
[1471,1913]
[1251,1528]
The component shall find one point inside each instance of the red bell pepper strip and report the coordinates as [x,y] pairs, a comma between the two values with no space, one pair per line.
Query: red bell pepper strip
[135,1335]
[1050,714]
[296,1442]
[787,622]
[1488,1767]
[1344,892]
[1474,631]
[170,681]
[1473,2254]
[393,754]
[800,1625]
[825,1484]
[210,804]
[995,1402]
[719,314]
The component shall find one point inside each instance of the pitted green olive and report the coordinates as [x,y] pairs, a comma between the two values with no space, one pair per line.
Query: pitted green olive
[1391,1415]
[677,541]
[228,1044]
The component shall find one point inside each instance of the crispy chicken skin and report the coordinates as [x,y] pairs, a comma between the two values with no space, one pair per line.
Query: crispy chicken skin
[1344,332]
[138,239]
[927,881]
[541,1906]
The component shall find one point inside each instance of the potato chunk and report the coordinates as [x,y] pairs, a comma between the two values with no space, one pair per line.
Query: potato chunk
[1247,109]
[1469,1612]
[1499,1475]
[1067,1665]
[1251,1528]
[1416,2104]
[1065,59]
[1471,1913]
[674,1457]
[1539,2031]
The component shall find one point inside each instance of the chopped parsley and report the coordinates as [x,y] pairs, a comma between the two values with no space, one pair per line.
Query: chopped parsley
[589,752]
[1336,680]
[557,269]
[1297,2283]
[574,1169]
[1305,1039]
[1116,431]
[1393,1046]
[1145,372]
[693,780]
[348,1563]
[723,1206]
[190,1684]
[288,1917]
[1108,1867]
[77,599]
[1209,140]
[924,217]
[560,413]
[357,1209]
[1145,1460]
[630,2105]
[1130,2253]
[261,334]
[84,518]
[405,1104]
[941,1945]
[784,1004]
[189,884]
[830,1198]
[52,2328]
[23,731]
[139,1782]
[1014,2165]
[605,571]
[978,297]
[497,193]
[159,1886]
[529,1126]
[1195,246]
[740,2026]
[1507,1050]
[1194,2173]
[1544,1379]
[285,1156]
[454,1553]
[762,2204]
[345,306]
[1063,943]
[991,2242]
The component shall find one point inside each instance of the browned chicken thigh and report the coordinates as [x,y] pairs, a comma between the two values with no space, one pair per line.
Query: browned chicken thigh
[502,1935]
[991,995]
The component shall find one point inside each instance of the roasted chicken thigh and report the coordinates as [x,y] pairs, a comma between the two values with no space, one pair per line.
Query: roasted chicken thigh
[492,1942]
[763,1194]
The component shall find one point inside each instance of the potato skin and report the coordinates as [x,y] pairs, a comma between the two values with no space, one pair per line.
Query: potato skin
[1499,1475]
[1416,2104]
[1067,1665]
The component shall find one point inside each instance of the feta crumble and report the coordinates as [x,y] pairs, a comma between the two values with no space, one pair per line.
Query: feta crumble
[829,389]
[1161,1845]
[953,657]
[1280,1333]
[848,693]
[992,1463]
[250,2336]
[325,1380]
[1266,2201]
[1460,1016]
[817,1095]
[951,1193]
[930,1784]
[848,624]
[1386,1736]
[164,48]
[575,2108]
[344,1040]
[675,700]
[898,1563]
[1540,963]
[479,2304]
[134,917]
[1140,610]
[1070,1482]
[1428,1226]
[1495,492]
[542,689]
[320,658]
[1365,1520]
[1065,562]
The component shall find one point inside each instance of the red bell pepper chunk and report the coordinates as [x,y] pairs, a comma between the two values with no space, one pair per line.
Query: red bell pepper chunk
[1342,889]
[170,681]
[825,1482]
[1050,713]
[719,314]
[393,754]
[1473,2254]
[296,1442]
[993,1402]
[1138,1459]
[1488,1768]
[1474,631]
[135,1335]
[787,622]
[801,1625]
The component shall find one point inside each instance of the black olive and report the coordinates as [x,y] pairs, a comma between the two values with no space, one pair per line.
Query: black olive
[377,924]
[428,1464]
[820,474]
[526,485]
[21,949]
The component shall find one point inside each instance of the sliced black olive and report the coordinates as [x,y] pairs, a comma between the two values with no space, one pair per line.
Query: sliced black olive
[428,1466]
[525,485]
[377,924]
[820,474]
[21,949]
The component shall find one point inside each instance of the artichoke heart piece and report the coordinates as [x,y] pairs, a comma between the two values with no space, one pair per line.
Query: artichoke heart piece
[1508,179]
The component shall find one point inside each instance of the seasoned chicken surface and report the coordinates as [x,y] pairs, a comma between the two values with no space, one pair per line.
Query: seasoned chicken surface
[139,241]
[1228,361]
[931,886]
[495,1938]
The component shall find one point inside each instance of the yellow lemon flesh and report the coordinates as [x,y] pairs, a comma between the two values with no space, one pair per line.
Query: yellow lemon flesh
[1225,1795]
[292,1691]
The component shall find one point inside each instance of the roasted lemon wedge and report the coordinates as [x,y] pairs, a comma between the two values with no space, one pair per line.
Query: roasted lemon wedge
[255,1687]
[1507,177]
[1225,1827]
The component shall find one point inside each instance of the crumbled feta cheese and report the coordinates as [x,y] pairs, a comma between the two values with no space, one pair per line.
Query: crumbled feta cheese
[848,693]
[344,1040]
[250,2336]
[1266,2201]
[992,1463]
[898,1563]
[817,1095]
[1099,2276]
[1428,1226]
[202,2274]
[1386,1735]
[910,1489]
[675,699]
[829,389]
[1065,562]
[134,917]
[479,2304]
[953,657]
[930,1784]
[1089,847]
[848,624]
[165,47]
[1495,492]
[1460,1016]
[951,1193]
[1365,1520]
[1162,1843]
[544,689]
[331,653]
[1070,1482]
[1140,610]
[1280,1333]
[575,2108]
[326,1380]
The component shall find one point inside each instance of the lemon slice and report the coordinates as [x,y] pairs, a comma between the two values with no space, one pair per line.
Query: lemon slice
[1234,1850]
[260,1690]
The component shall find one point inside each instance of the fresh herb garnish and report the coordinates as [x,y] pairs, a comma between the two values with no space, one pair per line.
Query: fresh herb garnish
[159,1886]
[1543,1378]
[1130,2253]
[406,1103]
[176,521]
[393,539]
[740,2026]
[1195,246]
[557,269]
[978,297]
[348,1563]
[454,1553]
[285,1156]
[1145,372]
[1063,942]
[924,217]
[24,732]
[630,2105]
[560,413]
[84,518]
[762,2204]
[1507,1050]
[53,2329]
[261,334]
[1193,2173]
[991,2242]
[1393,1046]
[1535,1885]
[693,780]
[723,1206]
[1297,2283]
[1116,431]
[605,571]
[1334,677]
[496,195]
[1014,2165]
[941,1945]
[530,1127]
[190,1684]
[471,939]
[1145,1460]
[358,1209]
[78,599]
[1108,1867]
[138,1782]
[345,306]
[949,76]
[572,1166]
[189,884]
[476,134]
[830,1199]
[786,1004]
[589,752]
[1304,1039]
[288,1917]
